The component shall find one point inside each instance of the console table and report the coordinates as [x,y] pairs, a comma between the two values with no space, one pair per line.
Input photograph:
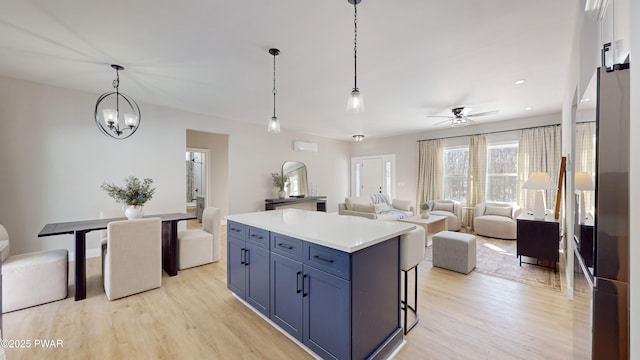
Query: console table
[320,201]
[539,239]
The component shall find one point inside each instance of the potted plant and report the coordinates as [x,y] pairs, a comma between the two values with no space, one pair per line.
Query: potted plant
[134,194]
[280,181]
[426,206]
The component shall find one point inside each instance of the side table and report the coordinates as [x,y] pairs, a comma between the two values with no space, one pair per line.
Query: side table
[539,239]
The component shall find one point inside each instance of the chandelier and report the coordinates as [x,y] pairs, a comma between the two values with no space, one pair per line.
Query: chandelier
[356,102]
[109,118]
[274,125]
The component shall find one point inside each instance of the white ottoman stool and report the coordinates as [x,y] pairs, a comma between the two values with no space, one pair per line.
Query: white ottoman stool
[34,278]
[411,254]
[454,251]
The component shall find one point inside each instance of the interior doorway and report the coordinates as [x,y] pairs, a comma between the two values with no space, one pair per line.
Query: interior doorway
[196,180]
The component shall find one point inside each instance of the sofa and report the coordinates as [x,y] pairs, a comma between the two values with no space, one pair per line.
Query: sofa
[496,220]
[377,206]
[451,209]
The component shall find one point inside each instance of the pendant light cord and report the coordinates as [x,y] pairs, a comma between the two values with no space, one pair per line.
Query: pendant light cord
[116,84]
[355,46]
[274,91]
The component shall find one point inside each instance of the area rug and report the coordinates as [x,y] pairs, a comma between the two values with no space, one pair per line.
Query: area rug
[498,258]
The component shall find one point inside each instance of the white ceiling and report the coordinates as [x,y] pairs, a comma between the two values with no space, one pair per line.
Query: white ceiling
[415,57]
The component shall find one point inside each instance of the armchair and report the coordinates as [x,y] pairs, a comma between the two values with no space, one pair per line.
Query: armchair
[497,220]
[133,261]
[452,210]
[200,246]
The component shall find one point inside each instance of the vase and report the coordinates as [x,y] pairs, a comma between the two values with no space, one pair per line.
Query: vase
[424,214]
[133,211]
[281,194]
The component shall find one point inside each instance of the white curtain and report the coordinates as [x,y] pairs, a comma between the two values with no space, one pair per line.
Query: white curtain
[538,151]
[430,167]
[477,170]
[585,156]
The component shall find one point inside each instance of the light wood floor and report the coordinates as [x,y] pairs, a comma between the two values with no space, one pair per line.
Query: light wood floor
[194,316]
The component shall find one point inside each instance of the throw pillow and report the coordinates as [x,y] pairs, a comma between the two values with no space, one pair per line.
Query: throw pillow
[498,210]
[404,205]
[442,206]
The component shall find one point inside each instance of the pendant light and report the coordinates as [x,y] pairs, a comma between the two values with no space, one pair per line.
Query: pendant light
[356,102]
[116,123]
[274,125]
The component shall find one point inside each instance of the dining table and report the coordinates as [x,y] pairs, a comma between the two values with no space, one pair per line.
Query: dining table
[79,229]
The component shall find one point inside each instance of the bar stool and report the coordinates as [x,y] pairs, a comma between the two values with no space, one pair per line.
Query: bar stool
[411,254]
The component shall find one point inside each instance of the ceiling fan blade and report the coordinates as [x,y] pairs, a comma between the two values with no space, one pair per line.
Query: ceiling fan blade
[442,122]
[440,116]
[485,113]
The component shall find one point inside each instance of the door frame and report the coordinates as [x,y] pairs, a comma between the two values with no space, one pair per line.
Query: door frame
[386,158]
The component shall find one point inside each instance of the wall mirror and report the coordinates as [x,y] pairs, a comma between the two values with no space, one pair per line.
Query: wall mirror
[298,185]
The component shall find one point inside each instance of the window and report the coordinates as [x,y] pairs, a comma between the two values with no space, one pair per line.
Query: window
[502,172]
[456,164]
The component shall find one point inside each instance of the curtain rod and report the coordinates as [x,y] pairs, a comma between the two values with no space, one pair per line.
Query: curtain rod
[490,132]
[502,131]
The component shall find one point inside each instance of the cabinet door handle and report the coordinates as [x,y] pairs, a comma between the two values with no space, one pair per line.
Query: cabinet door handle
[288,247]
[318,257]
[246,257]
[298,282]
[235,230]
[303,285]
[242,256]
[259,237]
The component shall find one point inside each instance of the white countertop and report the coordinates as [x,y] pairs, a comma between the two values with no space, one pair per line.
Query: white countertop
[341,232]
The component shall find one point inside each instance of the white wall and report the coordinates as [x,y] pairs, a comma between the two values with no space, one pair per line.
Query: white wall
[53,159]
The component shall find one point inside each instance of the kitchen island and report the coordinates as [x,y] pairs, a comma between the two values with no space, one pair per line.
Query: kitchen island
[330,282]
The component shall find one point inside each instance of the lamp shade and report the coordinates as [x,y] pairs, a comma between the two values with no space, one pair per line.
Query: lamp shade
[538,181]
[584,181]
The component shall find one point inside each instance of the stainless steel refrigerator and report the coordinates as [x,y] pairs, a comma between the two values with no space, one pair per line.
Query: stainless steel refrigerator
[610,308]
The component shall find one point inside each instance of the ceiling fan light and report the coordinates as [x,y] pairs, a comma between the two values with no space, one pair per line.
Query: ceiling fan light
[356,102]
[459,122]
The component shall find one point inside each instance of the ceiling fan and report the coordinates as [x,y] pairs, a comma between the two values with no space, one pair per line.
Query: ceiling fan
[460,116]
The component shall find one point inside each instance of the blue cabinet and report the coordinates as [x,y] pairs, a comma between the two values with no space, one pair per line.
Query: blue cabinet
[248,261]
[339,305]
[308,300]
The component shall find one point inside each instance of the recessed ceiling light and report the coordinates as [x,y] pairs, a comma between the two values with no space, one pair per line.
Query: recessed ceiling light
[520,82]
[528,108]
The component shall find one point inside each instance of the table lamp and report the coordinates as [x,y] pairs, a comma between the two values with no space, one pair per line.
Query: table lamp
[583,182]
[539,181]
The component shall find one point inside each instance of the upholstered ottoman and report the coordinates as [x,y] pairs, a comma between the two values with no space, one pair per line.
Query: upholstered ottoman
[34,278]
[454,251]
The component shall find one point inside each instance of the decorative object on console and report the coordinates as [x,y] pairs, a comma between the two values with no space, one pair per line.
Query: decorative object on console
[356,102]
[583,182]
[539,181]
[280,181]
[134,194]
[358,137]
[274,124]
[111,123]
